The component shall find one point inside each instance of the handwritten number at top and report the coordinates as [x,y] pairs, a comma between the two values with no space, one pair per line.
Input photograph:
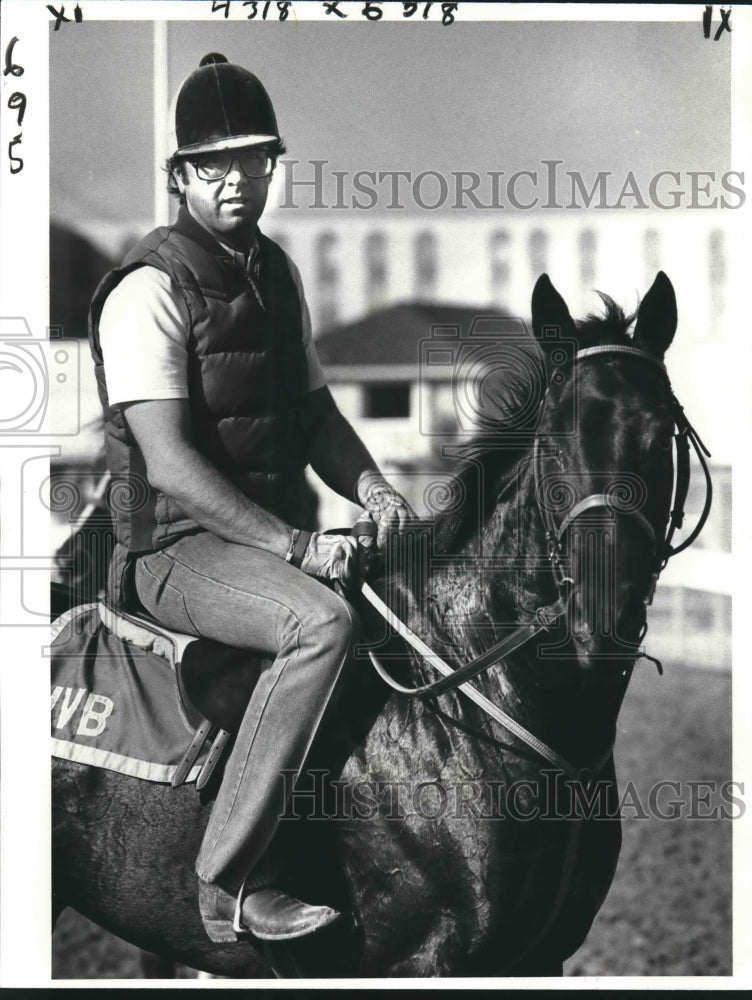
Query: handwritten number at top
[60,18]
[707,22]
[282,7]
[370,10]
[408,9]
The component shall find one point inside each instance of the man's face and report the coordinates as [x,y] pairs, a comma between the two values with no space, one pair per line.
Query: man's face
[229,208]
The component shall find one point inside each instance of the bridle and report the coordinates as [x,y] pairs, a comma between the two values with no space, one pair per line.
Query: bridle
[548,615]
[685,437]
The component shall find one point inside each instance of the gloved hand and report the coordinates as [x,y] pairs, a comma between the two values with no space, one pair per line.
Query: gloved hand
[332,557]
[387,507]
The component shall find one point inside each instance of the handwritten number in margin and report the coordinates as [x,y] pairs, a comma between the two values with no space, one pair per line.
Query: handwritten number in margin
[17,102]
[15,159]
[10,67]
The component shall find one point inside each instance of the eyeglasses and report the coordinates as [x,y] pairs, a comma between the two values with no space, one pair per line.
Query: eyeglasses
[215,166]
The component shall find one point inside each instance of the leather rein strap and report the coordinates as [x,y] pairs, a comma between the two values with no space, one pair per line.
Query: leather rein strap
[545,617]
[458,679]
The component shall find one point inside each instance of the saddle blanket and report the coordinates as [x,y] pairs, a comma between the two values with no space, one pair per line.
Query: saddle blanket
[114,704]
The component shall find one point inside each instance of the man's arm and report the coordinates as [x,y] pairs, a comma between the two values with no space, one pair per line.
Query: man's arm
[173,465]
[337,454]
[344,463]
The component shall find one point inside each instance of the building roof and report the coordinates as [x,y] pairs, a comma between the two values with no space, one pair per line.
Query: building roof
[392,336]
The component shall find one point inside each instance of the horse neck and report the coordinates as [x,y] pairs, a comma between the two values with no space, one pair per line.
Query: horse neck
[494,582]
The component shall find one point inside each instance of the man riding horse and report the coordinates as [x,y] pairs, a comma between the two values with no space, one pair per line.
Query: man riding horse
[215,403]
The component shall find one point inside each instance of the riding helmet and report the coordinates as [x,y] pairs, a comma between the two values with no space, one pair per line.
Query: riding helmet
[220,106]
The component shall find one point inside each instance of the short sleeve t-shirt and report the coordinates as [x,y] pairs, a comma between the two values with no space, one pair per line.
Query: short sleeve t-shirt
[143,332]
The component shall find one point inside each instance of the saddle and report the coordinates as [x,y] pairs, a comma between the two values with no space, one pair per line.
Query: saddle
[214,682]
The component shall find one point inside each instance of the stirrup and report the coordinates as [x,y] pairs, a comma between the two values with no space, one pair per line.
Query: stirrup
[237,925]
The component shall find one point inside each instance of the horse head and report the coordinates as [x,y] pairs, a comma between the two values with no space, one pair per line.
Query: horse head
[604,463]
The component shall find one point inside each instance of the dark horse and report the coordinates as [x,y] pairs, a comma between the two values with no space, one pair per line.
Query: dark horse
[459,848]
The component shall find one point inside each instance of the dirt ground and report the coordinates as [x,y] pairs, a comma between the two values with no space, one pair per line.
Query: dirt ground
[669,909]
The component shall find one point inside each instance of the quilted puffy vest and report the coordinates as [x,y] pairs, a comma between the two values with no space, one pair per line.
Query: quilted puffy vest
[247,379]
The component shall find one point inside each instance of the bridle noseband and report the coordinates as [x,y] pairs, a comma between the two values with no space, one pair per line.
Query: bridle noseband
[547,616]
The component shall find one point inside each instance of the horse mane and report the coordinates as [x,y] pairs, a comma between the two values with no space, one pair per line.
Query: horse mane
[611,327]
[479,477]
[487,468]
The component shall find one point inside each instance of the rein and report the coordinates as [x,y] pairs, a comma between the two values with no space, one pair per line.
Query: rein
[547,616]
[458,678]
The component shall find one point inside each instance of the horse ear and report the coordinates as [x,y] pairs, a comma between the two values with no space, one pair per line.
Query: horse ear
[657,317]
[549,311]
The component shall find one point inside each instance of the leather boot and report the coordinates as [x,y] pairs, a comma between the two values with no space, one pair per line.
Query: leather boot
[265,913]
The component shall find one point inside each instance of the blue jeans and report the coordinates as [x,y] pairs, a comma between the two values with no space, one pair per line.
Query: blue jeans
[251,599]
